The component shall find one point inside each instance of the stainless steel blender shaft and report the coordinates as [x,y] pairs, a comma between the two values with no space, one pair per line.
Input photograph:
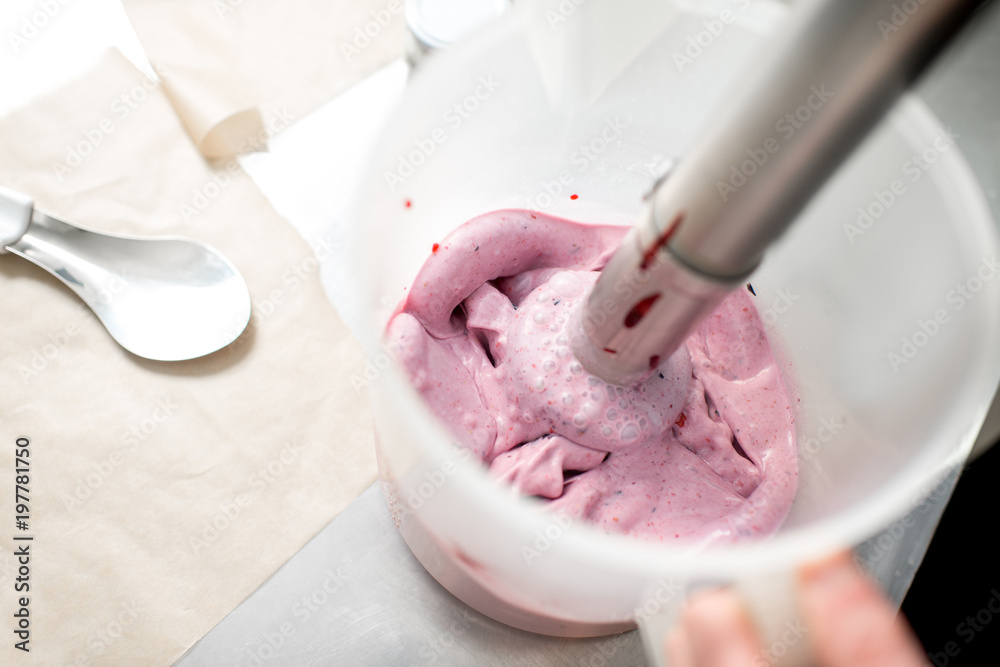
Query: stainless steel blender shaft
[827,78]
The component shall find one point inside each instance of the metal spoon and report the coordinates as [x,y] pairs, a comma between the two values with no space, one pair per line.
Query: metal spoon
[166,298]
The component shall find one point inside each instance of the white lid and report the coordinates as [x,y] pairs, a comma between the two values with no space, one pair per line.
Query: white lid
[440,23]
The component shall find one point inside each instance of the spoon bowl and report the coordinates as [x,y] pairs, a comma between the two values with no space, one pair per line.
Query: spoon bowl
[167,298]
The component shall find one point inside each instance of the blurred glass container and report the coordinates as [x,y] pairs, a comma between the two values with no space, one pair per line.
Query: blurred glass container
[437,24]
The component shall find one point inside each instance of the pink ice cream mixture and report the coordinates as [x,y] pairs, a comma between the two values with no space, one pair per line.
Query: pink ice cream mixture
[703,449]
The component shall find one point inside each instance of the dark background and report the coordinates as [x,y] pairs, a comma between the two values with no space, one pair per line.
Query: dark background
[961,573]
[962,566]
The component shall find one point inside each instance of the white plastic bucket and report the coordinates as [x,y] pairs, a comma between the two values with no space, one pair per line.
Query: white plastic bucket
[875,267]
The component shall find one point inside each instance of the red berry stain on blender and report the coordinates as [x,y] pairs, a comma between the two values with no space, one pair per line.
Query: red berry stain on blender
[650,253]
[407,203]
[435,248]
[639,310]
[574,197]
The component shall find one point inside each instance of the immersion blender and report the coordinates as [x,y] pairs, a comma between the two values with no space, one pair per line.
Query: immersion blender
[827,79]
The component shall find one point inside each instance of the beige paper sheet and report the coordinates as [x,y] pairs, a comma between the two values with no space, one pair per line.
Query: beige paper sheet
[162,494]
[226,62]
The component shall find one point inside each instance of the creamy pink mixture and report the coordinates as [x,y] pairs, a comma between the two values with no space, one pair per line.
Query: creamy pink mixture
[703,449]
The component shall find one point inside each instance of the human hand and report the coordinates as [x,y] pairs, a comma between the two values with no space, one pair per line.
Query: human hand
[848,621]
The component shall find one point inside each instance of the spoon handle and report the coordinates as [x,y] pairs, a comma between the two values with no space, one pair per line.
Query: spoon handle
[15,216]
[72,255]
